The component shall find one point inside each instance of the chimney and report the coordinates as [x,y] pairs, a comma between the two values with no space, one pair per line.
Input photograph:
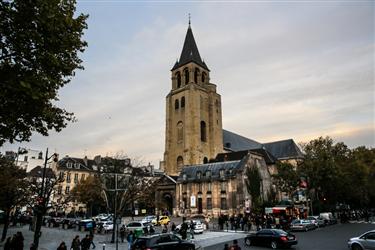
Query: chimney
[85,160]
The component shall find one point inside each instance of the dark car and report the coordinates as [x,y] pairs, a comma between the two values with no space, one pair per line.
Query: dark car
[273,238]
[162,241]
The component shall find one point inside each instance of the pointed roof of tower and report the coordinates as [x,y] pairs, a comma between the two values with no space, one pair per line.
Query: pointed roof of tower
[190,52]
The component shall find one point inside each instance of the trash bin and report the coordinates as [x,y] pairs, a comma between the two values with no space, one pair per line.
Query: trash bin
[138,232]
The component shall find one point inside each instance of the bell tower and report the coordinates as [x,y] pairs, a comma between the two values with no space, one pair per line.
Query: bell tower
[194,132]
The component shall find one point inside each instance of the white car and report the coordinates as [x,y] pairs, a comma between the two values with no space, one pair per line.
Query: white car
[148,219]
[198,227]
[108,226]
[136,225]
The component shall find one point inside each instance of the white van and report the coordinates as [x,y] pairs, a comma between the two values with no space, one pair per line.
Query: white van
[328,218]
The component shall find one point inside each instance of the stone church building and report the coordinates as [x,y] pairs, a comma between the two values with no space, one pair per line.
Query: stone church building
[206,164]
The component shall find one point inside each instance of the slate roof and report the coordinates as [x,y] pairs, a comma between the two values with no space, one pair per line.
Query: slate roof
[38,172]
[230,167]
[239,155]
[83,165]
[190,52]
[284,149]
[235,142]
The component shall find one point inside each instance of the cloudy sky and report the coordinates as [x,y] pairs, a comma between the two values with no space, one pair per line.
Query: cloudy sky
[284,69]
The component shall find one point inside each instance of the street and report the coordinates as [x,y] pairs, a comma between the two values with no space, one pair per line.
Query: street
[332,237]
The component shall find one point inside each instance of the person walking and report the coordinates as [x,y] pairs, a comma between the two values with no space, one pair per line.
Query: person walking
[173,228]
[226,246]
[85,243]
[192,229]
[122,233]
[62,246]
[91,238]
[18,241]
[235,245]
[33,247]
[130,239]
[76,243]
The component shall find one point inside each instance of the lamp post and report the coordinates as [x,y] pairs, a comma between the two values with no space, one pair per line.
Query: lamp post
[123,177]
[40,208]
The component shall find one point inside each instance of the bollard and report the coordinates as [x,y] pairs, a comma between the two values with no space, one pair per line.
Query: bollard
[103,246]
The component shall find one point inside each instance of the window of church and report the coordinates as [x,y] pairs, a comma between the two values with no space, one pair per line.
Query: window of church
[178,78]
[209,186]
[203,131]
[67,190]
[196,73]
[176,104]
[209,203]
[183,102]
[205,160]
[223,186]
[59,190]
[186,73]
[200,187]
[68,178]
[184,177]
[180,132]
[223,203]
[203,77]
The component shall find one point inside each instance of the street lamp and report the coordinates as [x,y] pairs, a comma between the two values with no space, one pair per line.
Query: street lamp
[123,178]
[42,200]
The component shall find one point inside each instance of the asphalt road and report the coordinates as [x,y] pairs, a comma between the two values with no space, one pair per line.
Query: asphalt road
[333,237]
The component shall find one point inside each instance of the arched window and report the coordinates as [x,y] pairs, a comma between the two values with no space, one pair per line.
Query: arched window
[203,131]
[176,104]
[178,76]
[180,131]
[205,160]
[196,73]
[183,102]
[203,77]
[180,162]
[186,73]
[208,174]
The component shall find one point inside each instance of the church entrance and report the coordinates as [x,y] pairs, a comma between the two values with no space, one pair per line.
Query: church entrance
[168,203]
[200,206]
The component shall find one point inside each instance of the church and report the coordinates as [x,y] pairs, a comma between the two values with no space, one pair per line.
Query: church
[205,165]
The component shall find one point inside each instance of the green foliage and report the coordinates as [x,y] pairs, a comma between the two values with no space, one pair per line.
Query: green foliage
[253,183]
[337,174]
[13,185]
[287,177]
[40,41]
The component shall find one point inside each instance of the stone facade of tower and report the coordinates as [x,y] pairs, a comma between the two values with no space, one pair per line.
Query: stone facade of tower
[193,113]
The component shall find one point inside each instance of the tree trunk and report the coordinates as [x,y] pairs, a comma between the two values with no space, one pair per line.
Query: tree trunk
[6,225]
[38,227]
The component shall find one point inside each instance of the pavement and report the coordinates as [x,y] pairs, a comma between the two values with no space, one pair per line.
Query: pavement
[52,237]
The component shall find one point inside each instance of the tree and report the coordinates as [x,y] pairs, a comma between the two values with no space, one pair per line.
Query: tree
[89,192]
[287,178]
[253,183]
[13,189]
[39,45]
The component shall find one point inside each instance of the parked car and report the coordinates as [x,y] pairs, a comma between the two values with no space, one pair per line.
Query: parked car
[149,219]
[108,226]
[316,221]
[69,223]
[162,241]
[273,238]
[198,226]
[363,242]
[302,225]
[163,220]
[134,225]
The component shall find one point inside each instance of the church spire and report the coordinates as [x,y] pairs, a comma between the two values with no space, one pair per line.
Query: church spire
[190,51]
